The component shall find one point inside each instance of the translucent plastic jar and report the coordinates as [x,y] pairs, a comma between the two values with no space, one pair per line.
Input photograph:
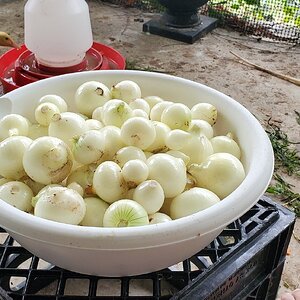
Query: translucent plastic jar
[58,32]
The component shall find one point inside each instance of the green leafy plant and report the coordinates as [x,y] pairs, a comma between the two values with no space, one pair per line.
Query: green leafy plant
[287,160]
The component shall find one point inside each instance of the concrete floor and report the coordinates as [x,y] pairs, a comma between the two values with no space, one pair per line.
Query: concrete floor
[208,61]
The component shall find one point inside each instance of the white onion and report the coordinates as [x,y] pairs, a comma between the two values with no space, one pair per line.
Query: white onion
[192,201]
[138,132]
[225,144]
[180,155]
[200,127]
[159,144]
[140,113]
[157,110]
[177,116]
[93,124]
[115,112]
[177,138]
[150,195]
[17,194]
[134,172]
[152,100]
[206,112]
[97,114]
[158,217]
[140,103]
[47,189]
[61,205]
[126,90]
[66,126]
[56,100]
[95,209]
[76,187]
[11,156]
[169,171]
[83,175]
[125,213]
[90,95]
[128,153]
[13,124]
[47,160]
[198,148]
[220,173]
[108,182]
[44,113]
[113,141]
[89,147]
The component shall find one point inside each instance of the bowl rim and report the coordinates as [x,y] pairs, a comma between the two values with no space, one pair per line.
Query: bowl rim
[156,234]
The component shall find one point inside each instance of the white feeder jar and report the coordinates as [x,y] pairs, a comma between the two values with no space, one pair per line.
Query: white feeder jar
[58,32]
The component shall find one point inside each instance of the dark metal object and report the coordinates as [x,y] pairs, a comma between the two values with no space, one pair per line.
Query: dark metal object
[181,21]
[244,262]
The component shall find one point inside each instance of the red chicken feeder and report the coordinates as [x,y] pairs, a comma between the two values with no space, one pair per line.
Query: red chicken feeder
[19,67]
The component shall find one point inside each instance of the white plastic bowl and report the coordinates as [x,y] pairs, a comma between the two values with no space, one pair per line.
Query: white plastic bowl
[137,250]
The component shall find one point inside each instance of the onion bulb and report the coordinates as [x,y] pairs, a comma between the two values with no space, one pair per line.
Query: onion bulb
[61,205]
[47,160]
[113,141]
[109,183]
[44,113]
[11,156]
[125,213]
[90,95]
[177,138]
[115,112]
[159,217]
[200,127]
[198,148]
[180,155]
[97,114]
[13,124]
[76,187]
[83,176]
[67,125]
[93,124]
[50,188]
[56,100]
[140,113]
[169,172]
[220,173]
[205,111]
[152,100]
[95,209]
[177,116]
[89,147]
[157,110]
[159,144]
[150,195]
[192,201]
[17,194]
[225,144]
[134,172]
[126,90]
[128,153]
[140,103]
[138,132]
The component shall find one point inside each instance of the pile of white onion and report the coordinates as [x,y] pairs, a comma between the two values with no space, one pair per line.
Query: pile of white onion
[119,160]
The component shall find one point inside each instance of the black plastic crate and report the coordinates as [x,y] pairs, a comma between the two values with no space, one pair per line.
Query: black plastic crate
[244,262]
